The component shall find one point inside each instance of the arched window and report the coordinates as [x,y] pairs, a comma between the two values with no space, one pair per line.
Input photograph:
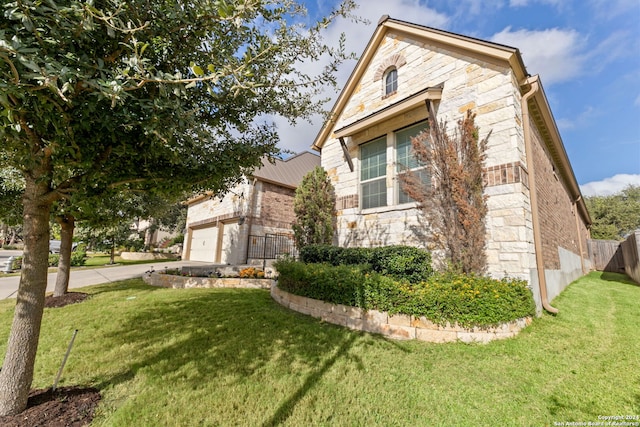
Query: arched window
[391,81]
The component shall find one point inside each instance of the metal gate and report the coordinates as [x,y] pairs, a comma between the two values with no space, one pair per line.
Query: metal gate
[270,246]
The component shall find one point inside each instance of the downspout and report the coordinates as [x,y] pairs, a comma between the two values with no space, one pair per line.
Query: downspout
[249,216]
[535,220]
[575,213]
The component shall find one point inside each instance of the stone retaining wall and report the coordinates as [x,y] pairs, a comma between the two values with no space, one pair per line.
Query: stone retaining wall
[400,326]
[141,256]
[184,282]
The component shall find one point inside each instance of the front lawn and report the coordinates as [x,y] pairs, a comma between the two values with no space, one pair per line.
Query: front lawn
[235,357]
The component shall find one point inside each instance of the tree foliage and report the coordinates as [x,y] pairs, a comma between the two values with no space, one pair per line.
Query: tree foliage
[453,202]
[139,95]
[315,209]
[616,215]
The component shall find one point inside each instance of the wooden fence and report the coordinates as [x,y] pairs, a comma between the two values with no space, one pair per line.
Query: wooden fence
[606,255]
[617,257]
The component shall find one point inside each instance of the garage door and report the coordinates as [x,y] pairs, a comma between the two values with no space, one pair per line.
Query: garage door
[203,244]
[231,249]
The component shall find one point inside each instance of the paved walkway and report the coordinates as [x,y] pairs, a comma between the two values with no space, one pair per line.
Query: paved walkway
[93,276]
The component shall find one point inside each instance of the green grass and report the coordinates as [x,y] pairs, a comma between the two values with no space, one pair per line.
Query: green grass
[100,260]
[234,357]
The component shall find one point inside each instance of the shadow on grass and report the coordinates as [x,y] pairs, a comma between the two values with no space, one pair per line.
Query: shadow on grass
[202,337]
[617,277]
[287,407]
[118,286]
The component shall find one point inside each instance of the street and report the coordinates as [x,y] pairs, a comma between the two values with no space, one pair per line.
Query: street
[85,276]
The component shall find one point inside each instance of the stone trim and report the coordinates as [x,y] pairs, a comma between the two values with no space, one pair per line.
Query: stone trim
[215,219]
[183,282]
[399,326]
[347,202]
[396,60]
[506,173]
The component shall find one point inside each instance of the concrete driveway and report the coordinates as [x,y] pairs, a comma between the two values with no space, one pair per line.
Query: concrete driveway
[93,276]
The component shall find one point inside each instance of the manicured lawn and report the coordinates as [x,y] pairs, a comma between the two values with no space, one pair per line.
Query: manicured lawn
[235,357]
[97,260]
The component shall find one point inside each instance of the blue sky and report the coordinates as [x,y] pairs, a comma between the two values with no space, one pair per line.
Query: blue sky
[587,53]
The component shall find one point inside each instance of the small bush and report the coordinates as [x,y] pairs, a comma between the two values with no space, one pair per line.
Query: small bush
[454,298]
[78,257]
[401,262]
[53,260]
[17,263]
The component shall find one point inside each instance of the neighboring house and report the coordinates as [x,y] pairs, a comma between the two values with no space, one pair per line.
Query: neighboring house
[410,76]
[250,222]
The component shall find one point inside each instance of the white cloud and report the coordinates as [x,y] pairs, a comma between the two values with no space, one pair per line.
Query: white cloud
[585,118]
[611,185]
[553,53]
[522,3]
[609,9]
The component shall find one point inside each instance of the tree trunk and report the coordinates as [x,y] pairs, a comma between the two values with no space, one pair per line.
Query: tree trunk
[112,260]
[67,225]
[19,360]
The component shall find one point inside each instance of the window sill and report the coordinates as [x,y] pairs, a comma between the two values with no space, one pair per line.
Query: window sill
[389,95]
[392,208]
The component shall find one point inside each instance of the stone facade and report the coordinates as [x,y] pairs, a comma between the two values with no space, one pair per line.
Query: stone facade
[471,78]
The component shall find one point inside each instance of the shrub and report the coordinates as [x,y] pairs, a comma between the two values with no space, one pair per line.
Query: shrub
[53,260]
[17,263]
[401,262]
[454,298]
[78,257]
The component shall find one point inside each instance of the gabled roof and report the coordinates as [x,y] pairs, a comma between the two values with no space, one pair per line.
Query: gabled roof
[289,172]
[286,173]
[451,41]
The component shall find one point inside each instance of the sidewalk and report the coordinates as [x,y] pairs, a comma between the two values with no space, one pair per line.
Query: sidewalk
[93,276]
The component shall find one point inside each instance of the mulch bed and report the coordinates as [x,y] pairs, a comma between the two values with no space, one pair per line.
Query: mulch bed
[66,299]
[65,407]
[71,406]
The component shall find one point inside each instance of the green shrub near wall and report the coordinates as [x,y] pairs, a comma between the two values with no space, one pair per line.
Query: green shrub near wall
[400,262]
[454,298]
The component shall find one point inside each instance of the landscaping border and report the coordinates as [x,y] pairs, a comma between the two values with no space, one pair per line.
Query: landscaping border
[183,282]
[398,326]
[146,256]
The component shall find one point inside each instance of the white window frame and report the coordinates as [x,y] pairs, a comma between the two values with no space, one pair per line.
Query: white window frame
[402,139]
[392,196]
[391,72]
[368,181]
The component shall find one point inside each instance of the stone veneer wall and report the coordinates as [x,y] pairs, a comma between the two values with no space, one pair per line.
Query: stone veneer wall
[399,326]
[184,282]
[488,89]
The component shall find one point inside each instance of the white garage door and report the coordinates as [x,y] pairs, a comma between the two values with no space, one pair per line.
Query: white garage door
[203,244]
[230,243]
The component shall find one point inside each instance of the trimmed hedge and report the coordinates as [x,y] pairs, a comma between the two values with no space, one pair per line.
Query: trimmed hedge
[400,262]
[454,298]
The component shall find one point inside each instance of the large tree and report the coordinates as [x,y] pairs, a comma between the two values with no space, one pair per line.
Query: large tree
[452,200]
[110,94]
[315,208]
[614,216]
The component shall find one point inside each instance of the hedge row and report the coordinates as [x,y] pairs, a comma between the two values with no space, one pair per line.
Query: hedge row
[399,262]
[454,298]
